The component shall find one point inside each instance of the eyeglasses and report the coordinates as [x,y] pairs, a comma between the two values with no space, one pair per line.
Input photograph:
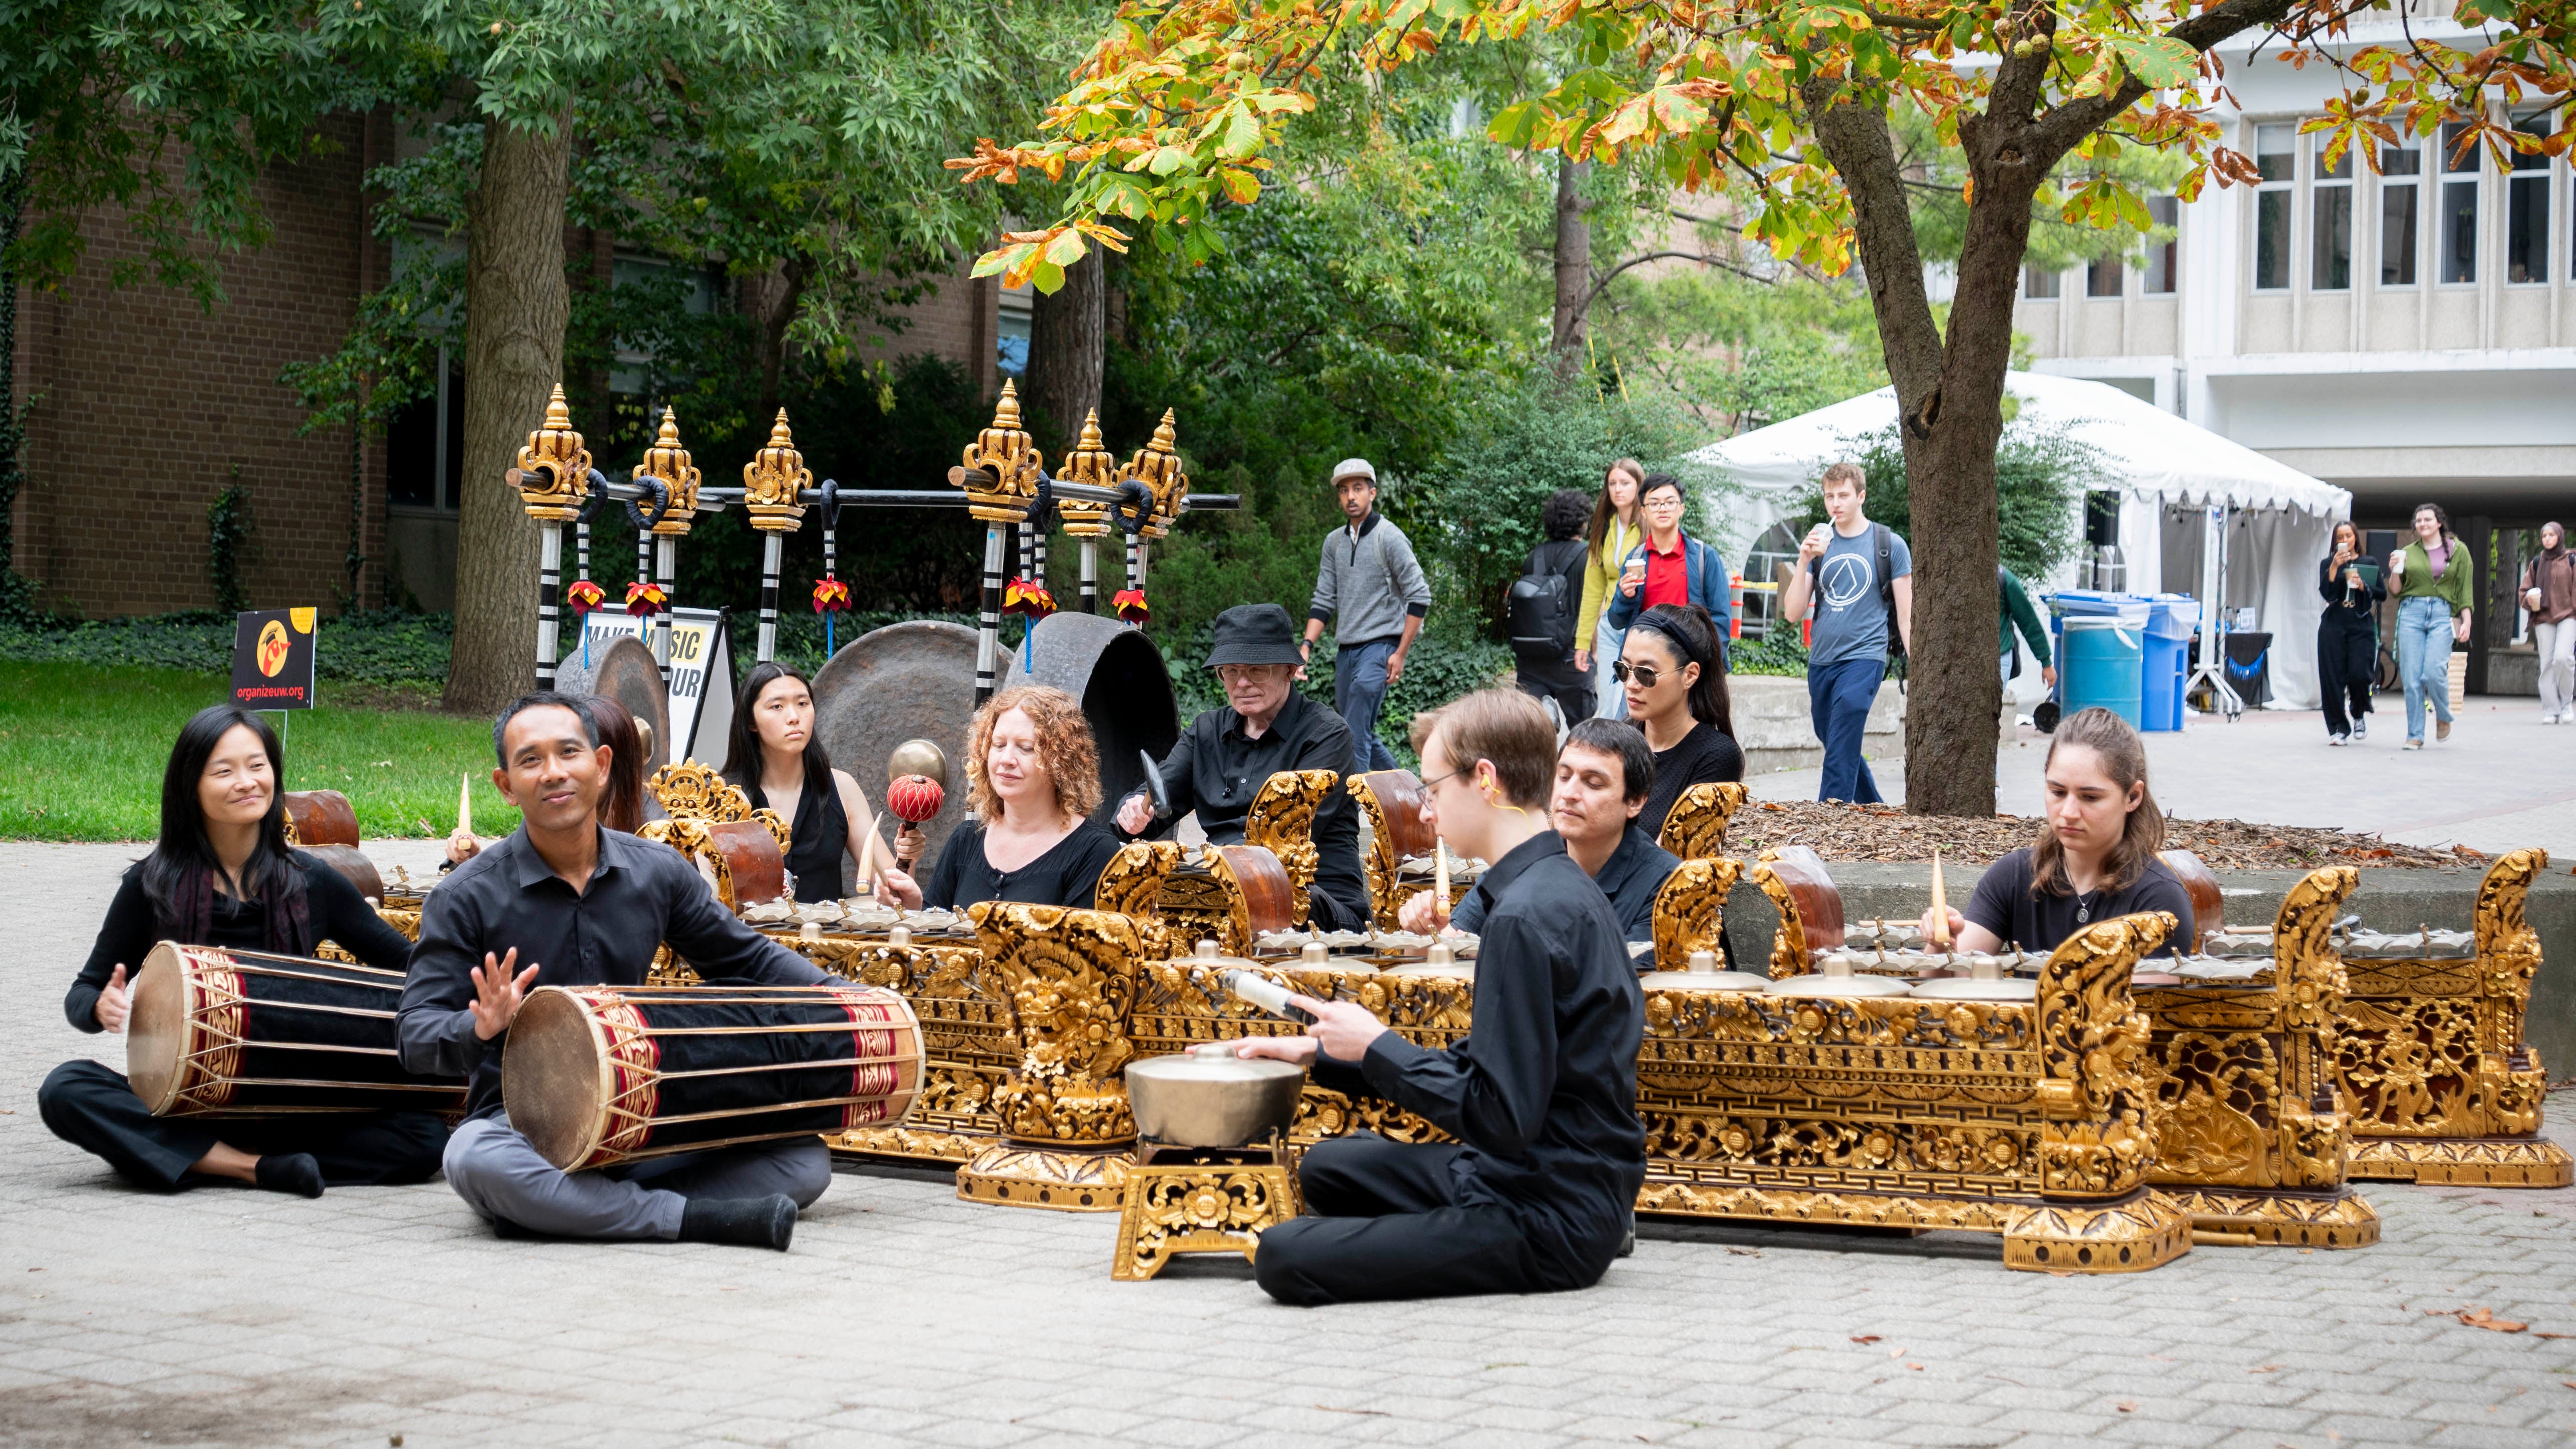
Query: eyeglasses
[1646,675]
[1436,781]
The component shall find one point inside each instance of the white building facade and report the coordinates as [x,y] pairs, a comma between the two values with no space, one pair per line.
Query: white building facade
[2408,334]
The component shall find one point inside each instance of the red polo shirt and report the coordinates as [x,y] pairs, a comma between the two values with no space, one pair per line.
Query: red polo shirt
[1667,575]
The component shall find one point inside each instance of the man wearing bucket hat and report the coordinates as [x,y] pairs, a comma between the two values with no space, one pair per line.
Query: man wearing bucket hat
[1265,726]
[1370,588]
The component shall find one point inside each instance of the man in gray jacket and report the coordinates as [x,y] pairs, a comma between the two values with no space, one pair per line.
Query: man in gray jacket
[1370,588]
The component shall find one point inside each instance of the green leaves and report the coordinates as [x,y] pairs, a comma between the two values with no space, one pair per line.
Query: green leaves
[2160,60]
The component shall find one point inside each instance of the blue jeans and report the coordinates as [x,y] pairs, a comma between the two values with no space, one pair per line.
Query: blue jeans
[1606,644]
[1359,692]
[2424,659]
[1838,701]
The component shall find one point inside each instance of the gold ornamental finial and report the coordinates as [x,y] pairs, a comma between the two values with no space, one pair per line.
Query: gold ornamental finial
[773,481]
[1089,463]
[1002,466]
[1157,465]
[669,462]
[554,467]
[1166,434]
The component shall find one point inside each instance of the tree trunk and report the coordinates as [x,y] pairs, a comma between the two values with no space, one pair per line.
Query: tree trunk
[517,304]
[13,201]
[772,298]
[1064,354]
[1573,267]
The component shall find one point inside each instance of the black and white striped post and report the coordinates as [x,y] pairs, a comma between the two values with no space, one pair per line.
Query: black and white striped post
[553,469]
[774,486]
[988,639]
[1090,575]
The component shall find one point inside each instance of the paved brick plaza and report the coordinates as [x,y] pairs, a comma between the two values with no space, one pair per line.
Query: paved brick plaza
[236,1317]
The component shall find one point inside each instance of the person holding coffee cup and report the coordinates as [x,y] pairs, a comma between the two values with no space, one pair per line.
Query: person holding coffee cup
[2431,580]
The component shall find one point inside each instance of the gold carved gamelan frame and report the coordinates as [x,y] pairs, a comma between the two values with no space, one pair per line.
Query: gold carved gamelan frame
[2431,1060]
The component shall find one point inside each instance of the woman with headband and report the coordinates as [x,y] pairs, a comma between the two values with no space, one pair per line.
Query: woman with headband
[1673,675]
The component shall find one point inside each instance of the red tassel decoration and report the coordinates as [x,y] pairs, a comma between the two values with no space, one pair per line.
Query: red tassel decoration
[830,596]
[645,600]
[1130,605]
[582,596]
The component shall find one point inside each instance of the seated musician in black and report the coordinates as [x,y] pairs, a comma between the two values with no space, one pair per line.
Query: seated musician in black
[585,906]
[775,757]
[2096,855]
[223,875]
[1537,1193]
[1265,726]
[1032,778]
[1603,771]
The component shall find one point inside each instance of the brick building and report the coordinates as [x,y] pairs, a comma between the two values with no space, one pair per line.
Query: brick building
[143,408]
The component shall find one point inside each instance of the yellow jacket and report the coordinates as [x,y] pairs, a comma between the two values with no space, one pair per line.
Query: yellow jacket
[1601,575]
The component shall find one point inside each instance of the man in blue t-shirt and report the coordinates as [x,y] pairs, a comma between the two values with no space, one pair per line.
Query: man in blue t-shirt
[1860,576]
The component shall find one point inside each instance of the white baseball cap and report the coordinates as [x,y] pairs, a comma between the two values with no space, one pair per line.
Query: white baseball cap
[1354,468]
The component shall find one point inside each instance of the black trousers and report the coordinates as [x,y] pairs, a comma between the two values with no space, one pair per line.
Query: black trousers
[1577,700]
[2347,667]
[93,1108]
[1383,1223]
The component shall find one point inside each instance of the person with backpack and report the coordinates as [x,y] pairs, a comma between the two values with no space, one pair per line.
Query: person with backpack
[1543,609]
[1860,577]
[1669,566]
[1617,524]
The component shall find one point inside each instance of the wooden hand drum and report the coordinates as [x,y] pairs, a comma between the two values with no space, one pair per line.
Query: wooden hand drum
[598,1075]
[243,1033]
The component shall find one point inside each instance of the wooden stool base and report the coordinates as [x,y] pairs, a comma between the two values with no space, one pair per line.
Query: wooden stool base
[1199,1201]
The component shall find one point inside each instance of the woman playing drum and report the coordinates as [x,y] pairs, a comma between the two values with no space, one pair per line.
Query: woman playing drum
[777,760]
[1032,777]
[223,875]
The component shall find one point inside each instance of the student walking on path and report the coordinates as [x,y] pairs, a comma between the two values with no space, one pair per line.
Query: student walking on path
[1545,608]
[2549,591]
[1370,589]
[1617,524]
[1860,577]
[2431,576]
[2016,611]
[1668,566]
[2348,636]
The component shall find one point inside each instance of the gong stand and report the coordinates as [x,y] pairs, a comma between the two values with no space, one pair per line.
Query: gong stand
[1201,1200]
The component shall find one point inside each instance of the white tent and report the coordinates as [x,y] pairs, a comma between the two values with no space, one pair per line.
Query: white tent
[2170,472]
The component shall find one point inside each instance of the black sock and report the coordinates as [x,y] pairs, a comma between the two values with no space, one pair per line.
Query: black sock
[294,1172]
[750,1222]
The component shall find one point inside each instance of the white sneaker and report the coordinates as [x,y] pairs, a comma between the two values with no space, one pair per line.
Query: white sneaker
[2361,727]
[2338,739]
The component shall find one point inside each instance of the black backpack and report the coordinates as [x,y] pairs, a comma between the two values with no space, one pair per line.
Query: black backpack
[1542,605]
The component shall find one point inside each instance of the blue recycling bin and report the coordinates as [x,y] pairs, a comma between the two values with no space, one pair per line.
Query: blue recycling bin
[2165,659]
[2101,662]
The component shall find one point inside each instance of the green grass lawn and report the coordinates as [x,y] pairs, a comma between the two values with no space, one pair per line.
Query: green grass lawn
[84,747]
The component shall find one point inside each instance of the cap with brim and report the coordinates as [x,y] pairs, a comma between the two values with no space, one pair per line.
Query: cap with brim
[1355,468]
[1254,634]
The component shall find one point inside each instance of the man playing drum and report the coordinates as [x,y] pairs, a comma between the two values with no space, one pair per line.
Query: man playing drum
[585,906]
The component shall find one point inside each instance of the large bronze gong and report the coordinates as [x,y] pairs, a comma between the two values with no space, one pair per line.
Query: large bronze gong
[1118,675]
[624,671]
[904,681]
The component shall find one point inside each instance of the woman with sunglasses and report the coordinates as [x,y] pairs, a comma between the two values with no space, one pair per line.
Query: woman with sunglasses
[1673,675]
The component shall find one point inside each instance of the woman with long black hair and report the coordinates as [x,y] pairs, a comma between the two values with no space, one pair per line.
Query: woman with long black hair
[1673,673]
[2348,635]
[223,875]
[776,757]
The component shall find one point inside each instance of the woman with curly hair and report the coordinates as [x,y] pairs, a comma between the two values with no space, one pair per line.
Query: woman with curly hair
[1032,778]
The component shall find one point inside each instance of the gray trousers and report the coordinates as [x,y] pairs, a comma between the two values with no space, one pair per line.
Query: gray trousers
[500,1176]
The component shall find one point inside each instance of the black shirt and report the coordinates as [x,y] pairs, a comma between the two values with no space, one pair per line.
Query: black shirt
[1702,756]
[816,840]
[1544,1090]
[2346,606]
[640,895]
[1217,771]
[1065,876]
[2004,905]
[338,913]
[1635,871]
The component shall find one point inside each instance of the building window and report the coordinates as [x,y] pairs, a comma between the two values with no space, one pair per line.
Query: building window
[2330,221]
[425,443]
[2102,277]
[2163,257]
[2039,284]
[2526,219]
[2276,158]
[2399,166]
[2459,206]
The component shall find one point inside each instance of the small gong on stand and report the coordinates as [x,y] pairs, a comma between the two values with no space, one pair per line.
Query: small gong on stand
[1213,1165]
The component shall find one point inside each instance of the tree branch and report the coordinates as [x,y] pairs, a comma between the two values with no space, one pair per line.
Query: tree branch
[1704,259]
[2065,126]
[1856,139]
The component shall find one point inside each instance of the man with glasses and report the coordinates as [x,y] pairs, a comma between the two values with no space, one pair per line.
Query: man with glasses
[1668,566]
[1265,726]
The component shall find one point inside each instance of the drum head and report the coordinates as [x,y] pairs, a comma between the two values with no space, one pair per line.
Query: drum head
[156,1034]
[554,1077]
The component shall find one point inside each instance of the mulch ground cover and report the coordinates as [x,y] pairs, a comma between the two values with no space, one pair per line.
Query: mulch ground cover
[1841,832]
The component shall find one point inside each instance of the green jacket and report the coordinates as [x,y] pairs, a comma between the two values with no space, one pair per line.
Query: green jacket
[2017,610]
[2451,588]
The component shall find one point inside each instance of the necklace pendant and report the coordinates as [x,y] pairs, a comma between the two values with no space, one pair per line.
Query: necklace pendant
[2083,914]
